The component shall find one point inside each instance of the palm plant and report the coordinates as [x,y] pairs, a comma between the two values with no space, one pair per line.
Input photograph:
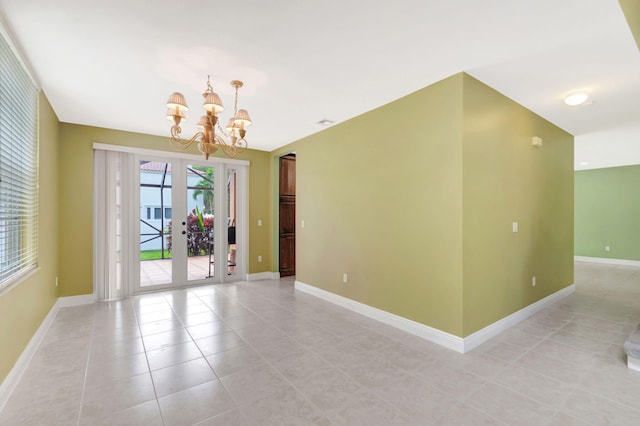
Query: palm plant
[205,187]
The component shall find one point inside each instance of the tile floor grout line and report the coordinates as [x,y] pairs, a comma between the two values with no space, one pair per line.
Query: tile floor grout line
[144,347]
[292,384]
[273,367]
[604,396]
[86,372]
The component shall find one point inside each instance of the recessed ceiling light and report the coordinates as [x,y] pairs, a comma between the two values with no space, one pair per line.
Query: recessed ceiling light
[325,122]
[584,163]
[576,99]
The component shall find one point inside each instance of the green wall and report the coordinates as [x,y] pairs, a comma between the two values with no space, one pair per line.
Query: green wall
[381,198]
[75,222]
[24,307]
[415,201]
[607,211]
[507,180]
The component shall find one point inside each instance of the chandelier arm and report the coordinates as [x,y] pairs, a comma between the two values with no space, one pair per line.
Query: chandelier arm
[229,150]
[183,144]
[238,143]
[241,145]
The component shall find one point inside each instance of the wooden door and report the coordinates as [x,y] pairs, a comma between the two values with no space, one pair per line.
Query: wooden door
[287,215]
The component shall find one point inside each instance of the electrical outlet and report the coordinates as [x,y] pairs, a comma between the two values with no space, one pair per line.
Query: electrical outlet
[345,278]
[259,258]
[607,248]
[56,281]
[533,281]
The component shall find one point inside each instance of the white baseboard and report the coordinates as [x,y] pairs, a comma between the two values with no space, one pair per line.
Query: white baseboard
[431,334]
[263,276]
[608,261]
[428,333]
[489,332]
[10,382]
[83,299]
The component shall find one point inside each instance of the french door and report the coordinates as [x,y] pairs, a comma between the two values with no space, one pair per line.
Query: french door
[189,222]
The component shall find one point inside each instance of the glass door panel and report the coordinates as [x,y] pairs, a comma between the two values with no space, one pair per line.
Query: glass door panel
[155,207]
[178,209]
[200,222]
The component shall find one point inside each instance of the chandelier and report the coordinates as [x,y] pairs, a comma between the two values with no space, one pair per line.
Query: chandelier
[208,140]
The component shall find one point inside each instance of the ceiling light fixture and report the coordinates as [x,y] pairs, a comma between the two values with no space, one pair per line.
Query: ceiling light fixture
[576,99]
[208,140]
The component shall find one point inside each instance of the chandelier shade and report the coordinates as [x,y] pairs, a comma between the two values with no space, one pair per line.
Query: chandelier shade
[213,103]
[208,140]
[177,101]
[231,126]
[242,118]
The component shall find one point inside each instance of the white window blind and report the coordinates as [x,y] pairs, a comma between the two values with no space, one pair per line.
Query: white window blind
[18,167]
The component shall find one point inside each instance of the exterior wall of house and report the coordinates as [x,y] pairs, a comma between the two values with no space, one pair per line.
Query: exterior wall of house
[506,180]
[607,212]
[24,307]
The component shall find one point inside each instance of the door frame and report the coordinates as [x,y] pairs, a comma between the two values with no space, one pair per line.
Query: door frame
[281,199]
[132,214]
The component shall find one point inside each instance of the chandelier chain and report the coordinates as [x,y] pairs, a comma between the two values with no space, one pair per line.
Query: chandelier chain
[235,104]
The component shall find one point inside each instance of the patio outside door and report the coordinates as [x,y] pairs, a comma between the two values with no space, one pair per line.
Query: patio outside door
[189,214]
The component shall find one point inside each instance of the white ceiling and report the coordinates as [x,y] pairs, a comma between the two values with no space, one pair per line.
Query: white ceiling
[114,63]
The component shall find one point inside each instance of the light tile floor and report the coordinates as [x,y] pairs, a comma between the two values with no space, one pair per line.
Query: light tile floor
[260,353]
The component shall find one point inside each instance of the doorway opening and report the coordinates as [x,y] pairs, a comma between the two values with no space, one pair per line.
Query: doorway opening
[287,215]
[178,206]
[163,223]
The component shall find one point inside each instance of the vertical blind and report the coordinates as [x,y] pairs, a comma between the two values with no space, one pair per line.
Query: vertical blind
[18,167]
[111,189]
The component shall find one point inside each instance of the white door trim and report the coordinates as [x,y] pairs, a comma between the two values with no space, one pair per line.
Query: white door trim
[179,180]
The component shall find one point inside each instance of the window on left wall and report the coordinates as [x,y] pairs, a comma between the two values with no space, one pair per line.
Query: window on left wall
[18,167]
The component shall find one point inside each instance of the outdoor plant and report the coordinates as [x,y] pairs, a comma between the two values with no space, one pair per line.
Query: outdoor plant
[199,233]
